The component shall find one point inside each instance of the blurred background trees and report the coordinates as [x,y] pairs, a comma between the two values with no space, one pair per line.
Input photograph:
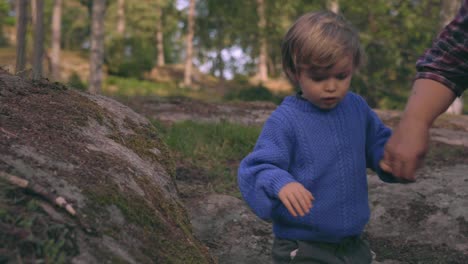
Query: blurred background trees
[233,43]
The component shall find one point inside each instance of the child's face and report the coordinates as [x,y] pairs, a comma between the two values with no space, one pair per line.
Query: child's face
[325,88]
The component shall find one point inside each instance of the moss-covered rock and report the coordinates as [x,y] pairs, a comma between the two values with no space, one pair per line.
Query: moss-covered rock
[104,158]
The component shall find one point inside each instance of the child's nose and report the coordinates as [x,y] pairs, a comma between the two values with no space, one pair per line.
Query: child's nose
[330,86]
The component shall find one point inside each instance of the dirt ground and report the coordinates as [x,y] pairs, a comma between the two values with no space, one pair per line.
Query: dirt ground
[423,222]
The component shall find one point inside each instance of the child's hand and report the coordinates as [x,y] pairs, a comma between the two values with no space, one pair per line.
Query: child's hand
[296,198]
[385,167]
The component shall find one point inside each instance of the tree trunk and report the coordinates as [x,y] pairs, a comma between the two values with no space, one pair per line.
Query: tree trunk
[56,36]
[219,64]
[262,58]
[97,46]
[159,35]
[189,45]
[448,10]
[334,6]
[21,23]
[38,40]
[121,17]
[33,13]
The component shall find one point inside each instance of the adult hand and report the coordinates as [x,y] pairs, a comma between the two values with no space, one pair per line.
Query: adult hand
[296,198]
[406,148]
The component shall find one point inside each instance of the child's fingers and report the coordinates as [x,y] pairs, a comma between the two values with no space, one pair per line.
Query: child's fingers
[309,197]
[301,202]
[295,202]
[304,201]
[288,206]
[385,166]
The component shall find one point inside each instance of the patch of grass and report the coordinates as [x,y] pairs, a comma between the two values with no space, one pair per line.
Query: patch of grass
[128,87]
[118,86]
[257,93]
[214,149]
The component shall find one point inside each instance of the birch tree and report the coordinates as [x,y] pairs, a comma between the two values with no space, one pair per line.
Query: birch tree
[56,37]
[189,44]
[121,17]
[262,58]
[33,13]
[21,23]
[38,40]
[159,35]
[97,46]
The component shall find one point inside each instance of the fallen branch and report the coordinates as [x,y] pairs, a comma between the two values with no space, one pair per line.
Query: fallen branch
[39,190]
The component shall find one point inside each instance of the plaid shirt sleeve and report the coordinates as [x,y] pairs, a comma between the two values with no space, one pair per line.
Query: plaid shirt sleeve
[447,60]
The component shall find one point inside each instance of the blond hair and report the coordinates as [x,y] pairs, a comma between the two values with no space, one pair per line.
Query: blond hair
[319,40]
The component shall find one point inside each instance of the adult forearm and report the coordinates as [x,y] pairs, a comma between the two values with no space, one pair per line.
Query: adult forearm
[428,100]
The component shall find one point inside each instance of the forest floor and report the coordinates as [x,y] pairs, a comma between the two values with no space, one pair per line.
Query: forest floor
[423,222]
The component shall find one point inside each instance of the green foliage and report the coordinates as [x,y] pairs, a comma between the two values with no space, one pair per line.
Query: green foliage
[4,19]
[224,25]
[465,107]
[257,93]
[115,85]
[75,82]
[129,57]
[128,87]
[215,149]
[75,25]
[140,21]
[393,33]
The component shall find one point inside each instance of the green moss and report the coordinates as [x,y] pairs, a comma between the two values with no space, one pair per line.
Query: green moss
[92,109]
[133,207]
[160,222]
[144,142]
[171,209]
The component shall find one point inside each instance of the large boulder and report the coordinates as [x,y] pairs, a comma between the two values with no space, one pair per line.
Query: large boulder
[104,159]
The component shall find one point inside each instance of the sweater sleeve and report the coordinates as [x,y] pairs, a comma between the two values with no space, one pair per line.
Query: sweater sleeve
[264,171]
[377,135]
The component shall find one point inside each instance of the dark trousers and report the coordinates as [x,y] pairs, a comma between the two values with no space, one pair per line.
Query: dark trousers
[352,250]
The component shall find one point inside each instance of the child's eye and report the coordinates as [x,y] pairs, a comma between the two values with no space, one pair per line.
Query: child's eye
[342,76]
[317,78]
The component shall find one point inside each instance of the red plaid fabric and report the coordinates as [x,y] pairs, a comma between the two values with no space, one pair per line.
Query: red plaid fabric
[447,60]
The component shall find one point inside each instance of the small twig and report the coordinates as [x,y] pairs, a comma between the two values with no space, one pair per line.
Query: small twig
[39,190]
[7,132]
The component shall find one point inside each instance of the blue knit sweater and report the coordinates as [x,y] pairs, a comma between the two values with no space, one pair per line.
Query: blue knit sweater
[327,151]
